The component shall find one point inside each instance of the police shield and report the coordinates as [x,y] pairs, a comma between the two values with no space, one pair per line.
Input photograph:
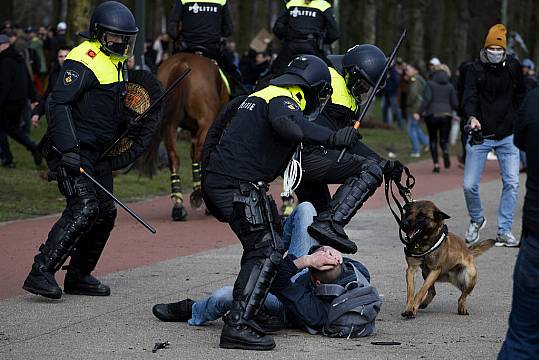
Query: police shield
[142,90]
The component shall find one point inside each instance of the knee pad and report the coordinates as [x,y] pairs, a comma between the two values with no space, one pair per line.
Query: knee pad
[107,217]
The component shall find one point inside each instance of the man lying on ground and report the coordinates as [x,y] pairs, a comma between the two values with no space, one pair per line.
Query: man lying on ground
[295,299]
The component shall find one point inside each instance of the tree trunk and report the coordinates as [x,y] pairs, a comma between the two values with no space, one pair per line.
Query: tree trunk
[461,36]
[369,22]
[78,19]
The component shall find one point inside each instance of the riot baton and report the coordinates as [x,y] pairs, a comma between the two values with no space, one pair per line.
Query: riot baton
[116,200]
[375,89]
[150,109]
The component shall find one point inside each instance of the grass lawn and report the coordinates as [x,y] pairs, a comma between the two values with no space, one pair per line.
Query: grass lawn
[23,194]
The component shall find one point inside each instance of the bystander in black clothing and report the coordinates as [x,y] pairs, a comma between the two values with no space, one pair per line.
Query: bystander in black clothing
[461,82]
[16,88]
[304,27]
[253,66]
[438,110]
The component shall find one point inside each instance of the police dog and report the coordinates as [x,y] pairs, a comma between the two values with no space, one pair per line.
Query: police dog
[441,255]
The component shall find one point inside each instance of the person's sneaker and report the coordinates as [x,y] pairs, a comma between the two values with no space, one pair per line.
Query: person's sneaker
[415,155]
[506,239]
[179,311]
[436,169]
[472,235]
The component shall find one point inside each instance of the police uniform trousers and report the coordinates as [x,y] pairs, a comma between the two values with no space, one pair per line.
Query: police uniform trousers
[251,285]
[86,223]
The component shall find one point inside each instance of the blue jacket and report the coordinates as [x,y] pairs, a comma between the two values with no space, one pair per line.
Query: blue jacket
[302,307]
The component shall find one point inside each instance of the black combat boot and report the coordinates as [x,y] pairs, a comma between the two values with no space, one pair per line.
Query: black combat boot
[77,283]
[328,227]
[238,333]
[269,323]
[41,281]
[179,311]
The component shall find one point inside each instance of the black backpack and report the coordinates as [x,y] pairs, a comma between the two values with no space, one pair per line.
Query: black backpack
[354,305]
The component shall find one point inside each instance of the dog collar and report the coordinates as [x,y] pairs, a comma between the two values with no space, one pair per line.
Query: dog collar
[441,239]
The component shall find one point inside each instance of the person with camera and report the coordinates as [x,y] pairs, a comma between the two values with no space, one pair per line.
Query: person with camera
[493,91]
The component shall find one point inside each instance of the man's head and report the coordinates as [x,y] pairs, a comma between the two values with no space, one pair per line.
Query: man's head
[311,74]
[362,66]
[113,25]
[433,63]
[4,42]
[330,273]
[61,54]
[496,44]
[528,66]
[61,28]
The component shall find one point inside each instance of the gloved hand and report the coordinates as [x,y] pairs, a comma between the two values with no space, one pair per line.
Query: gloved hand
[130,118]
[346,137]
[393,169]
[71,162]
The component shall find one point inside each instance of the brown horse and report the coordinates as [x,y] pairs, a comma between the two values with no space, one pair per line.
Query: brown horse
[193,106]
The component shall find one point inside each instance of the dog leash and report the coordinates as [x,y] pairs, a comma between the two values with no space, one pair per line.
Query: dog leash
[405,191]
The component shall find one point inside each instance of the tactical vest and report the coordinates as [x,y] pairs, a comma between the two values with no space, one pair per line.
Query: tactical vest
[306,20]
[201,21]
[104,67]
[249,148]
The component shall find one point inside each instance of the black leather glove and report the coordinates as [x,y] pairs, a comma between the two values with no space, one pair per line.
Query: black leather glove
[393,169]
[130,118]
[71,162]
[346,137]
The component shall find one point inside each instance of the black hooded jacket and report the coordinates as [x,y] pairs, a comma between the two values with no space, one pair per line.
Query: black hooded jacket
[15,84]
[493,94]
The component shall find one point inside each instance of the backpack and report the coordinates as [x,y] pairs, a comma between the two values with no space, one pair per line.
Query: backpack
[354,307]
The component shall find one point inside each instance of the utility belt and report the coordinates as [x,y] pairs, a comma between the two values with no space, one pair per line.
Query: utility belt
[316,40]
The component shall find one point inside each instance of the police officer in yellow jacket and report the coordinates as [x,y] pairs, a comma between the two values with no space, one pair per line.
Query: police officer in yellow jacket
[85,113]
[353,76]
[263,133]
[304,27]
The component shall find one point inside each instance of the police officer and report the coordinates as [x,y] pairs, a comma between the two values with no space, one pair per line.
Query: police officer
[253,150]
[85,113]
[201,26]
[304,27]
[353,76]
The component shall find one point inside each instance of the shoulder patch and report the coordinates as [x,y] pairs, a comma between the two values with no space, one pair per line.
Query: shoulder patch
[291,105]
[70,77]
[91,53]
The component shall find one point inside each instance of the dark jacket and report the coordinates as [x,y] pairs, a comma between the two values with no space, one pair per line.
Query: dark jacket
[302,306]
[312,21]
[526,135]
[84,105]
[417,93]
[200,23]
[392,83]
[262,136]
[442,98]
[53,78]
[15,83]
[493,94]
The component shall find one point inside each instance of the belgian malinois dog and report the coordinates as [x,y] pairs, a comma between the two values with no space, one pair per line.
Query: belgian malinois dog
[441,255]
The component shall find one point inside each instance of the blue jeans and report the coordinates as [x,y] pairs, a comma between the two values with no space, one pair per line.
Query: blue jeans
[417,135]
[298,242]
[508,157]
[390,102]
[522,340]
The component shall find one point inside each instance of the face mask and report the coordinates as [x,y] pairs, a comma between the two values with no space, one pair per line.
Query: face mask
[495,56]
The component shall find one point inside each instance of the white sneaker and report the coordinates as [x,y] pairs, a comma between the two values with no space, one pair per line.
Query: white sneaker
[415,155]
[472,235]
[506,239]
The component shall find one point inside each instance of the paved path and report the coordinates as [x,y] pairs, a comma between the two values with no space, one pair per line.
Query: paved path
[195,257]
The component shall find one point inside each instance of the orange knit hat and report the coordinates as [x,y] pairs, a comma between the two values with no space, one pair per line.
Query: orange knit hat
[497,36]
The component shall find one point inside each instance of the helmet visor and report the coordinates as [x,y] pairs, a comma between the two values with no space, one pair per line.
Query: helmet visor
[121,45]
[322,94]
[358,85]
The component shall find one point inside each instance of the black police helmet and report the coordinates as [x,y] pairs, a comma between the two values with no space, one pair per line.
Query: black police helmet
[115,20]
[312,74]
[362,66]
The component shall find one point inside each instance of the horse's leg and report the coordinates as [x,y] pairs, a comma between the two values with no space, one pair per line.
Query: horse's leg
[178,211]
[197,144]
